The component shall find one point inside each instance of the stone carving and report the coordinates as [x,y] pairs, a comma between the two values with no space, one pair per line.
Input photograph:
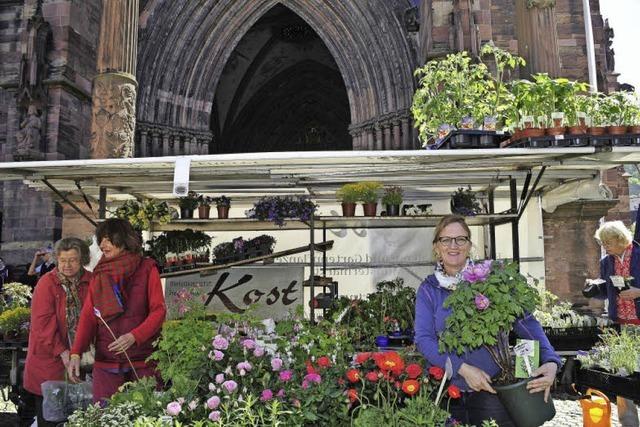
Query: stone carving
[540,4]
[114,121]
[609,52]
[412,19]
[33,64]
[28,137]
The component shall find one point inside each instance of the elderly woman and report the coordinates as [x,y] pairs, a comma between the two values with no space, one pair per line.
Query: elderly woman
[55,309]
[125,293]
[473,371]
[621,263]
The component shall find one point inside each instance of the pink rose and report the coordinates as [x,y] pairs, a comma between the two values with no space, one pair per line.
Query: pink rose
[219,378]
[258,352]
[220,342]
[286,375]
[482,302]
[230,386]
[249,344]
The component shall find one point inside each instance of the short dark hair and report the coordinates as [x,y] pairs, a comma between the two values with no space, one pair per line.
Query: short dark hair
[120,233]
[73,243]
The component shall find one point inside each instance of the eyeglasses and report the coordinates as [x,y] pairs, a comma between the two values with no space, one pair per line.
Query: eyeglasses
[448,241]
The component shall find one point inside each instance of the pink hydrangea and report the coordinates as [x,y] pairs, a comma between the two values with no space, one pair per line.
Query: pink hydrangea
[286,375]
[276,363]
[174,408]
[477,272]
[213,402]
[220,343]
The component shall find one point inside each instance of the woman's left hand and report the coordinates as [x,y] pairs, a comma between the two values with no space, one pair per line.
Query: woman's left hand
[630,294]
[122,343]
[544,382]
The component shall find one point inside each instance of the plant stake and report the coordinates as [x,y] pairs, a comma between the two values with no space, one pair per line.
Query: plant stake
[99,316]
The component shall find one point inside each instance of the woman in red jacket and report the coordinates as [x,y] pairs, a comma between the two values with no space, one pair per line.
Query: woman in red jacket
[125,291]
[55,309]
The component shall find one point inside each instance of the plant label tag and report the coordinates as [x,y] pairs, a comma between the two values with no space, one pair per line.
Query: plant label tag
[527,357]
[618,282]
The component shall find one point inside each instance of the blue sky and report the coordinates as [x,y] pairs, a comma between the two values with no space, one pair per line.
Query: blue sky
[624,18]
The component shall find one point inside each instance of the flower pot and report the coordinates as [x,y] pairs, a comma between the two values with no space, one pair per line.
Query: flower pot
[558,130]
[616,130]
[203,211]
[348,209]
[186,213]
[382,341]
[577,130]
[596,130]
[223,212]
[531,133]
[393,210]
[369,209]
[524,408]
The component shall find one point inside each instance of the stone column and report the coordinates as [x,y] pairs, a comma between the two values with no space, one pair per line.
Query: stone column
[142,149]
[371,142]
[387,136]
[397,145]
[155,143]
[178,149]
[165,144]
[379,137]
[406,135]
[114,86]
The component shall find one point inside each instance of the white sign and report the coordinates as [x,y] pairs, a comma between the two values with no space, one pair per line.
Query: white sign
[274,290]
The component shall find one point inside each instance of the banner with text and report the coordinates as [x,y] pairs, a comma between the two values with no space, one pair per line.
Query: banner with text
[275,290]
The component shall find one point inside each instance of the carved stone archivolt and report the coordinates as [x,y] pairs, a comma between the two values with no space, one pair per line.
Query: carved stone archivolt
[113,116]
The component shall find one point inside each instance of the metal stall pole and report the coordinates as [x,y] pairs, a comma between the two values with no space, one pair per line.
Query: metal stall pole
[102,203]
[515,237]
[313,270]
[492,225]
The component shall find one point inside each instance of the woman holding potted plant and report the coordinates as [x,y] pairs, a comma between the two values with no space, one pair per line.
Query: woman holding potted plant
[475,367]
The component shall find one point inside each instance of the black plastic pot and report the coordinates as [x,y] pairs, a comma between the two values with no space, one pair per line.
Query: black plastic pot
[186,213]
[393,210]
[524,408]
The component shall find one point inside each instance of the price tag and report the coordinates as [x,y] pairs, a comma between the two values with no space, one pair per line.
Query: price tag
[527,357]
[618,282]
[559,137]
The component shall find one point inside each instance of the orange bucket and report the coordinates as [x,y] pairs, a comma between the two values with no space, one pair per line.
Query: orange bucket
[596,409]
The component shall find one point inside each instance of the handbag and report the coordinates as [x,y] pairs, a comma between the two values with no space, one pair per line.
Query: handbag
[592,288]
[61,399]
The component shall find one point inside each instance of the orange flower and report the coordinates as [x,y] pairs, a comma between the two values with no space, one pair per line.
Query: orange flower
[362,357]
[454,392]
[352,394]
[436,372]
[410,387]
[390,361]
[353,375]
[414,371]
[324,362]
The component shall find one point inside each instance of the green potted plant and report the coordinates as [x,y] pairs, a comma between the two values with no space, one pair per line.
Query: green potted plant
[464,202]
[188,204]
[348,197]
[368,195]
[142,214]
[14,323]
[392,198]
[204,206]
[619,108]
[484,307]
[223,203]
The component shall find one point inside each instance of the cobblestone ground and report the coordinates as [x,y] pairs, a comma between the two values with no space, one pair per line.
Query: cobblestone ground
[569,414]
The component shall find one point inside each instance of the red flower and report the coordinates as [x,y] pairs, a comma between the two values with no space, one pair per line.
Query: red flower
[353,375]
[341,381]
[454,392]
[414,371]
[324,362]
[362,357]
[410,387]
[352,394]
[398,385]
[436,372]
[390,361]
[372,376]
[310,368]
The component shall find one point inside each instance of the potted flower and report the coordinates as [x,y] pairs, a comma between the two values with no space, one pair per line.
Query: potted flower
[188,204]
[348,197]
[464,202]
[392,199]
[277,209]
[368,195]
[204,206]
[484,307]
[141,214]
[14,323]
[223,203]
[619,108]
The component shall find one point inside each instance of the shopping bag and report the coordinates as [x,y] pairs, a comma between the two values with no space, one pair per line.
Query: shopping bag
[60,399]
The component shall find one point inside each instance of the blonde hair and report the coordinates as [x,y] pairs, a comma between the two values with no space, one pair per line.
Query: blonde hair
[614,231]
[444,222]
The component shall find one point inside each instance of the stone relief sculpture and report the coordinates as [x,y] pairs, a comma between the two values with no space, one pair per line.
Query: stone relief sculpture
[33,64]
[113,117]
[28,137]
[609,52]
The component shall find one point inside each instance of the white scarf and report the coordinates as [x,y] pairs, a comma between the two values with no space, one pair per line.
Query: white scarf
[448,282]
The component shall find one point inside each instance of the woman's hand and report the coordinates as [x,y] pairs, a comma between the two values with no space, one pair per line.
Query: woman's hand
[544,382]
[630,294]
[73,369]
[476,378]
[122,343]
[65,358]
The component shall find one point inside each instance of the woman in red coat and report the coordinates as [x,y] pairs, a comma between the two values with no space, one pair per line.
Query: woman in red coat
[126,293]
[55,309]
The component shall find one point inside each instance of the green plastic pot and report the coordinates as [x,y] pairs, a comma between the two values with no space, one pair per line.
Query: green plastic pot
[524,408]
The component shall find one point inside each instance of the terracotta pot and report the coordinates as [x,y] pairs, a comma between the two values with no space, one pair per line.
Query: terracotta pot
[577,130]
[223,212]
[616,130]
[348,209]
[634,129]
[369,209]
[531,133]
[203,211]
[561,130]
[596,130]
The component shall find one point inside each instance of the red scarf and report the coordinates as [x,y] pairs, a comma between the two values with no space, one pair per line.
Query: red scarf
[110,279]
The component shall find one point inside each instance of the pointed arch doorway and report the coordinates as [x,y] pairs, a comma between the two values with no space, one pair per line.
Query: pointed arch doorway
[280,90]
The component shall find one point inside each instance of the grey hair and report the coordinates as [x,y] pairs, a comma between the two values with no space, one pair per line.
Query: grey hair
[73,243]
[614,231]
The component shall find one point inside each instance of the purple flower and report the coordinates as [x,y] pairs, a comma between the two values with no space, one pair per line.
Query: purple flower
[305,384]
[174,409]
[477,272]
[230,386]
[244,366]
[213,402]
[266,395]
[219,378]
[286,375]
[215,416]
[582,353]
[280,393]
[276,363]
[220,343]
[258,352]
[482,302]
[313,378]
[218,355]
[249,344]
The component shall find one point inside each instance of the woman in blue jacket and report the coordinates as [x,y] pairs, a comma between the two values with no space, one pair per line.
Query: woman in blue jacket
[473,371]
